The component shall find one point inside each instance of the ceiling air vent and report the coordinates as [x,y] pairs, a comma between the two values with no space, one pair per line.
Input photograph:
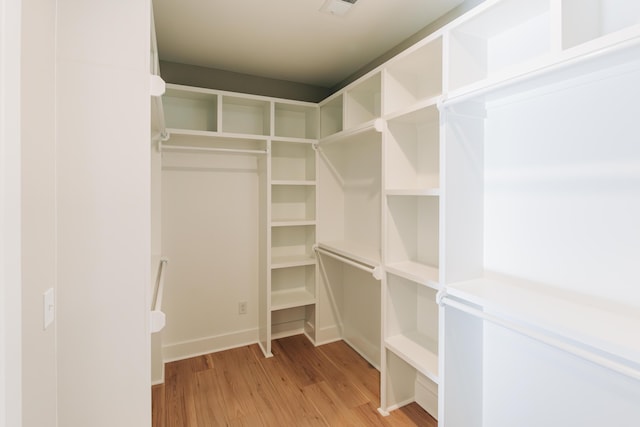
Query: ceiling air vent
[337,7]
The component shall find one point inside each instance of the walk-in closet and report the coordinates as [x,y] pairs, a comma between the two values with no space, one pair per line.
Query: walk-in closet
[464,216]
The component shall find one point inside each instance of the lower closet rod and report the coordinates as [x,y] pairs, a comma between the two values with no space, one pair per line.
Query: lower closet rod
[584,354]
[375,271]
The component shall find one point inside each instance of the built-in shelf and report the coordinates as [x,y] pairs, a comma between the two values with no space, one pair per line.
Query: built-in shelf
[418,350]
[413,192]
[414,75]
[331,116]
[416,272]
[296,120]
[293,182]
[292,261]
[292,222]
[363,102]
[281,300]
[487,46]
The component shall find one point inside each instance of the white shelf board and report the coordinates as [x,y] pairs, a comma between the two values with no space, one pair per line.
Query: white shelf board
[372,126]
[292,182]
[211,134]
[416,272]
[292,222]
[422,111]
[281,300]
[418,350]
[277,138]
[364,254]
[413,192]
[292,261]
[605,326]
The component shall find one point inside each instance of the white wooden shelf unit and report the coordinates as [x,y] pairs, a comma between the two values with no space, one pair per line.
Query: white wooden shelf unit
[283,134]
[540,177]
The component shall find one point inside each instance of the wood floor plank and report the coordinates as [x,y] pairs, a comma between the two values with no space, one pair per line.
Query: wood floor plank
[301,385]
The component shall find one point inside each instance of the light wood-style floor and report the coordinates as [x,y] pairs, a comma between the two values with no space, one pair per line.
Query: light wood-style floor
[302,385]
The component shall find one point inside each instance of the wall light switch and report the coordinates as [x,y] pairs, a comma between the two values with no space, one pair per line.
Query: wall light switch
[48,307]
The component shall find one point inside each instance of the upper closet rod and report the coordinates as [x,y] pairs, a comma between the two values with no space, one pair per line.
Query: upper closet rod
[164,147]
[375,271]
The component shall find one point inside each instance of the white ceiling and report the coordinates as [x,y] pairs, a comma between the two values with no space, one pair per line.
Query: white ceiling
[287,39]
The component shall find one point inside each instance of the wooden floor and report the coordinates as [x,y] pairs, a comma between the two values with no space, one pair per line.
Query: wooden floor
[301,385]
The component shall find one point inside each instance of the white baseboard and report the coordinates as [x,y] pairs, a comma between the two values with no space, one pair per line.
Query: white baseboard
[198,347]
[328,335]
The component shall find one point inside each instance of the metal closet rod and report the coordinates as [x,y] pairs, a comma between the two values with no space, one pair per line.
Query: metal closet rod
[572,349]
[162,147]
[375,271]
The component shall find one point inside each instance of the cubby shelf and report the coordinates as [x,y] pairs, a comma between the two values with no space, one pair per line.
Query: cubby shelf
[418,350]
[292,261]
[416,272]
[292,222]
[281,300]
[292,182]
[413,192]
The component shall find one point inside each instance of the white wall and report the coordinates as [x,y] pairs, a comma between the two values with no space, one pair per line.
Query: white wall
[103,224]
[210,235]
[10,346]
[38,210]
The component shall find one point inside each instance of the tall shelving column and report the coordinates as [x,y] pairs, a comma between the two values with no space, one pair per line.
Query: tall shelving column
[290,291]
[413,83]
[349,213]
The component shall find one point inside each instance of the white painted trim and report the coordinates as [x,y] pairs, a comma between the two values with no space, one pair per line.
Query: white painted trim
[10,278]
[201,346]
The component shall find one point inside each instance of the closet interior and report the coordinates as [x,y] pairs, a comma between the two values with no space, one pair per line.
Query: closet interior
[464,216]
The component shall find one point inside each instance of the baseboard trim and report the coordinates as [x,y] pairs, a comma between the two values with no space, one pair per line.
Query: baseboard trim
[198,347]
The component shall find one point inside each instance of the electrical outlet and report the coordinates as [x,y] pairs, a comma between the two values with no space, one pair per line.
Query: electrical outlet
[242,307]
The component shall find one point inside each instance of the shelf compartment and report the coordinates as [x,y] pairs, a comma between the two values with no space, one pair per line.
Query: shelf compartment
[413,192]
[490,46]
[292,242]
[412,233]
[413,151]
[190,108]
[362,102]
[292,161]
[295,120]
[413,76]
[587,20]
[292,261]
[416,272]
[331,117]
[293,202]
[245,116]
[405,384]
[350,200]
[412,324]
[292,287]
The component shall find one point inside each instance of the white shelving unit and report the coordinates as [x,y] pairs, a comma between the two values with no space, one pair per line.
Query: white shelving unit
[349,217]
[540,173]
[488,175]
[413,84]
[283,134]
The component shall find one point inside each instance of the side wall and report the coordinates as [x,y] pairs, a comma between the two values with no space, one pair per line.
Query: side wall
[38,211]
[10,322]
[103,223]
